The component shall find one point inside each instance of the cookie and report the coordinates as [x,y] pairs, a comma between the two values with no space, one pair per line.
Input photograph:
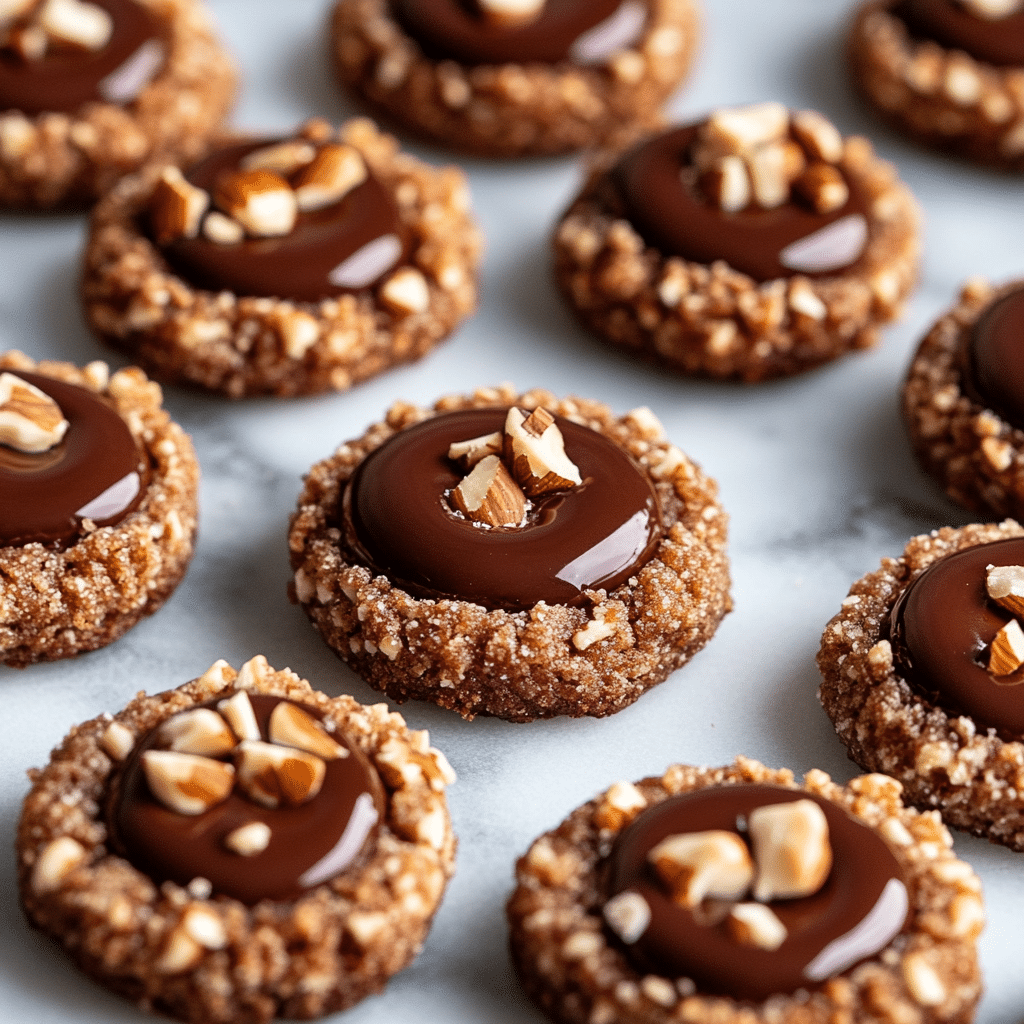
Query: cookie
[946,73]
[506,78]
[98,507]
[752,244]
[240,848]
[919,677]
[283,266]
[92,90]
[512,555]
[735,894]
[963,401]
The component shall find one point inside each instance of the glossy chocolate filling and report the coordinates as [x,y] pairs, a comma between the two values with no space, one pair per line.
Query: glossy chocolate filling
[992,359]
[304,264]
[669,213]
[397,521]
[67,77]
[583,31]
[96,472]
[941,628]
[860,908]
[309,844]
[998,41]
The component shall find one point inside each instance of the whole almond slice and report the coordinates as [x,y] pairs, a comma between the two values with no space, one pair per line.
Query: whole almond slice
[328,177]
[490,496]
[535,449]
[30,420]
[261,201]
[199,731]
[187,783]
[276,776]
[1005,585]
[176,208]
[239,714]
[290,726]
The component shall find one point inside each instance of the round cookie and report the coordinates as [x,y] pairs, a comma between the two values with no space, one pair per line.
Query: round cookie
[960,401]
[908,680]
[620,914]
[752,244]
[946,73]
[590,595]
[294,921]
[283,266]
[561,75]
[97,517]
[92,91]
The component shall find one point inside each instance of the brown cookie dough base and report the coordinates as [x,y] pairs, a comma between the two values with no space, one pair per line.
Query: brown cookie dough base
[714,321]
[511,110]
[929,972]
[975,779]
[553,659]
[299,959]
[943,98]
[56,604]
[976,456]
[241,345]
[58,159]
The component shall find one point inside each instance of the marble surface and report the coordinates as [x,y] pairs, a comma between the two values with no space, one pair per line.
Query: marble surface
[816,473]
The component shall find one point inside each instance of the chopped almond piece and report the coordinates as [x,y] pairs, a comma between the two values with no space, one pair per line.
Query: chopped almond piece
[274,776]
[77,23]
[468,453]
[187,783]
[1005,585]
[261,201]
[330,175]
[176,208]
[1006,654]
[290,726]
[700,865]
[283,158]
[510,13]
[199,731]
[535,449]
[489,495]
[30,420]
[792,850]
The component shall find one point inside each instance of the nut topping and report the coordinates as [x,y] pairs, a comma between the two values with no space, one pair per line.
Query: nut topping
[260,200]
[468,453]
[1005,585]
[535,450]
[238,712]
[290,726]
[221,229]
[30,420]
[510,13]
[791,848]
[176,208]
[1006,654]
[490,496]
[187,783]
[200,731]
[248,840]
[754,924]
[331,174]
[282,158]
[992,10]
[274,776]
[628,915]
[824,187]
[701,865]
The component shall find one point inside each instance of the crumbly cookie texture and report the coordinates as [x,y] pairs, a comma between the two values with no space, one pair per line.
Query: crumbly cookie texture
[206,959]
[243,345]
[510,110]
[560,947]
[552,659]
[715,321]
[943,98]
[974,778]
[56,604]
[57,159]
[975,455]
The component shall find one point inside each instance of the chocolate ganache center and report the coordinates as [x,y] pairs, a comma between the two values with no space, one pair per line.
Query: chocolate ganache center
[998,41]
[654,187]
[308,845]
[992,358]
[581,31]
[397,520]
[941,629]
[859,909]
[66,77]
[316,260]
[96,472]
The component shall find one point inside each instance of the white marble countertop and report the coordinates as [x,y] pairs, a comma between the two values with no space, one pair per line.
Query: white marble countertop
[816,473]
